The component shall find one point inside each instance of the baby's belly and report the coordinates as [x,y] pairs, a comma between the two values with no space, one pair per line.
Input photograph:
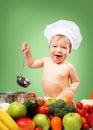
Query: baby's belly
[51,88]
[53,84]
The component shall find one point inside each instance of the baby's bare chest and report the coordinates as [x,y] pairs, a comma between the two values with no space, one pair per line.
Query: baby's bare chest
[56,71]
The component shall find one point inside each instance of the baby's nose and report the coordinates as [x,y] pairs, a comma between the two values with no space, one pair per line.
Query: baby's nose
[59,49]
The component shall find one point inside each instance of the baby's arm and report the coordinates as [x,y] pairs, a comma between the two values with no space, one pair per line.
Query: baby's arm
[68,92]
[30,61]
[74,79]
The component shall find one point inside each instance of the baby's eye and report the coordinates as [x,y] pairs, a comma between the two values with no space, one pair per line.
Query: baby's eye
[64,47]
[54,46]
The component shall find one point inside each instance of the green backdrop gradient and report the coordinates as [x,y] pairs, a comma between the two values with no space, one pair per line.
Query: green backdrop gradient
[25,20]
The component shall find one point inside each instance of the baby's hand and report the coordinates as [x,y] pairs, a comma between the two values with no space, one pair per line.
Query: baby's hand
[69,94]
[25,47]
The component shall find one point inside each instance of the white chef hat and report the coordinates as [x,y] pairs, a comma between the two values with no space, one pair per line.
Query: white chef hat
[66,28]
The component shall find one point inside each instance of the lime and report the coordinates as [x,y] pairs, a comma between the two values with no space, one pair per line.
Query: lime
[17,110]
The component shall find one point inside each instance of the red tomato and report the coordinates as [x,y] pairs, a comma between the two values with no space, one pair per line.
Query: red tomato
[79,105]
[41,101]
[81,112]
[41,109]
[70,102]
[32,95]
[76,110]
[87,108]
[26,124]
[47,110]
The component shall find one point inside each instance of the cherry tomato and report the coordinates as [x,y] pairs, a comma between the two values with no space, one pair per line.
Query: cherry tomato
[41,109]
[81,112]
[79,105]
[76,110]
[70,102]
[41,101]
[47,110]
[87,108]
[32,95]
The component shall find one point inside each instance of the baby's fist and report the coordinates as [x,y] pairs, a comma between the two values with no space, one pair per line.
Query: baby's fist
[25,47]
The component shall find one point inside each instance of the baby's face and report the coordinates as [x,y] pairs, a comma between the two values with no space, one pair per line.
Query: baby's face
[59,48]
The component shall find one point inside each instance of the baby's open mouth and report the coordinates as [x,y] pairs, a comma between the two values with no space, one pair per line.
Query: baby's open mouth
[58,56]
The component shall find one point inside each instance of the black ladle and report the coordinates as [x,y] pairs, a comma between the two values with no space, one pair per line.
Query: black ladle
[23,82]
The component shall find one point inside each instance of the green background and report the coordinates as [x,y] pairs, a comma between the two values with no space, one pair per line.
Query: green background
[25,20]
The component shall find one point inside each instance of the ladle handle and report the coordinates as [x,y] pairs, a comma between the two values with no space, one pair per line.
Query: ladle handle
[23,65]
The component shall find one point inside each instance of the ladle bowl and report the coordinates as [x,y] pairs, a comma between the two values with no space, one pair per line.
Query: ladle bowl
[23,82]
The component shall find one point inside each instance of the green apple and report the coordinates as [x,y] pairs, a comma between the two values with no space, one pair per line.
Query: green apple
[17,110]
[42,120]
[72,121]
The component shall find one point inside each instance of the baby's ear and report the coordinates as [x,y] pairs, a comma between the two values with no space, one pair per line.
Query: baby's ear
[70,47]
[70,51]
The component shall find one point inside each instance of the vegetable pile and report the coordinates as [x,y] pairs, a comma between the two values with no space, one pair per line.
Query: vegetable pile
[41,113]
